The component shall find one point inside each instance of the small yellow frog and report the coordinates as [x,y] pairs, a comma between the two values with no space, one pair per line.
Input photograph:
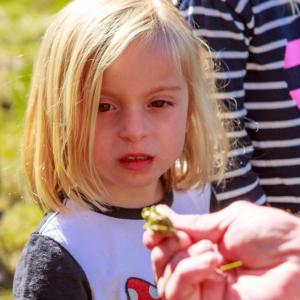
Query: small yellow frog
[157,222]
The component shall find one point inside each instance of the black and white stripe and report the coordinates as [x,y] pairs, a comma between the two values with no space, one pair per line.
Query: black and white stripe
[249,38]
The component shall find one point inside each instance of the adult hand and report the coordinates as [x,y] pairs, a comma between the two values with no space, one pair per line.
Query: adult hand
[266,240]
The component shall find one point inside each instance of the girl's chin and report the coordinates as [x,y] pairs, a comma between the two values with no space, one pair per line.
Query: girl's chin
[133,184]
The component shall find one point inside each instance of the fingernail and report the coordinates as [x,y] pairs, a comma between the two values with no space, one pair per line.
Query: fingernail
[159,287]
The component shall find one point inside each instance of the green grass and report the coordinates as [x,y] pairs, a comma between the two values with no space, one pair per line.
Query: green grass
[6,294]
[22,24]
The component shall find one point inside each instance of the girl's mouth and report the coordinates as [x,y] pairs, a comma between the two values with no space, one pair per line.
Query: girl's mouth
[136,162]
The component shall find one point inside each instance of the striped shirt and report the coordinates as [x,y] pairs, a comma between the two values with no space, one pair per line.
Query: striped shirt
[249,40]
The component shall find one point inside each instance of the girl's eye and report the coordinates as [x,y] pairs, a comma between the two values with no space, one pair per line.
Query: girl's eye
[160,103]
[104,107]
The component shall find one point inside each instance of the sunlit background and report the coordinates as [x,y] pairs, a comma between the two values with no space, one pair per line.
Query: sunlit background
[22,24]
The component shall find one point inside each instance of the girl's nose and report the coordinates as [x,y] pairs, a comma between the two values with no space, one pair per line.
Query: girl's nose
[133,125]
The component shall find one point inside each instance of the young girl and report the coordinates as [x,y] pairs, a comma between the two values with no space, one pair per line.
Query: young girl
[121,115]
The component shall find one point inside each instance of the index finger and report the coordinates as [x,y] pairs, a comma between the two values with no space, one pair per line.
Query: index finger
[211,226]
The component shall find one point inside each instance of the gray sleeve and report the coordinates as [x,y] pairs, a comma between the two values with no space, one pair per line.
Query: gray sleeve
[47,271]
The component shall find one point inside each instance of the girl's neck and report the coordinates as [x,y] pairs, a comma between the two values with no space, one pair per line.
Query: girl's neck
[136,197]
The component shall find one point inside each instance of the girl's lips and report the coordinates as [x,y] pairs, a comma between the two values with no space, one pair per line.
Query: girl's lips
[136,162]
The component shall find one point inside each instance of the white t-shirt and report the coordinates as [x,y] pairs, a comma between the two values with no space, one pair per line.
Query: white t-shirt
[109,247]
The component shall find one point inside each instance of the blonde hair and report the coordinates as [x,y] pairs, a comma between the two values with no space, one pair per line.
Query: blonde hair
[83,40]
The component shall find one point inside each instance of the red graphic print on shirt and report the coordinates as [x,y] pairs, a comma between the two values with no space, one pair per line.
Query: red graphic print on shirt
[139,289]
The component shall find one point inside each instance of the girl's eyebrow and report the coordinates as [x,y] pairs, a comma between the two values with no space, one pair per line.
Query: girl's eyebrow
[163,88]
[154,90]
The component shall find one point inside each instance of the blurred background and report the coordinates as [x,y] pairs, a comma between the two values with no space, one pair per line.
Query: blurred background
[22,24]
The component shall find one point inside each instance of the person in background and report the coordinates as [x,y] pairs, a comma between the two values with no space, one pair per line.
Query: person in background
[265,240]
[249,40]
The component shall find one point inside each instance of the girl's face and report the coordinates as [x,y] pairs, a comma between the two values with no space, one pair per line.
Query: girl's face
[141,123]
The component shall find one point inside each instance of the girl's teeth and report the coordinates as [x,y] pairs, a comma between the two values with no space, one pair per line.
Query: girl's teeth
[136,158]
